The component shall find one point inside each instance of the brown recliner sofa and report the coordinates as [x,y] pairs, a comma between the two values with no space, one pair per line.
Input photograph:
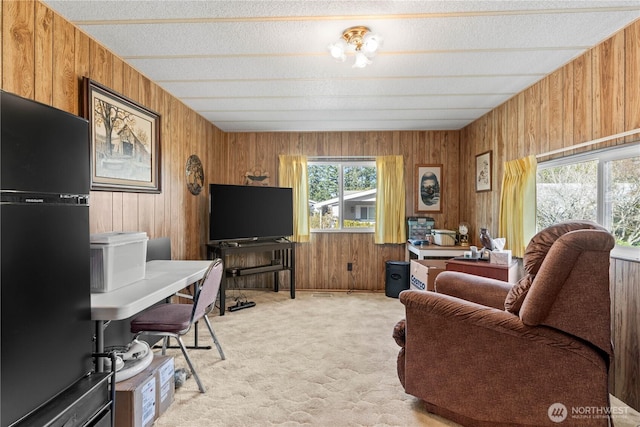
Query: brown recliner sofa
[483,352]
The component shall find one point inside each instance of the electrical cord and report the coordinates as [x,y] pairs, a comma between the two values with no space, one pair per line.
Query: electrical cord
[352,286]
[236,294]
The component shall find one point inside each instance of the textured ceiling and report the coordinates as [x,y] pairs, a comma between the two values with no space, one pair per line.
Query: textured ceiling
[264,66]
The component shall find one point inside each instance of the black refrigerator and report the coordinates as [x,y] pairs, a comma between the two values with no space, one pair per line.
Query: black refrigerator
[46,329]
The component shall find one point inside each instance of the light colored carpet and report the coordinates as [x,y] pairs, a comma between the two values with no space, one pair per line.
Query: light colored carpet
[322,359]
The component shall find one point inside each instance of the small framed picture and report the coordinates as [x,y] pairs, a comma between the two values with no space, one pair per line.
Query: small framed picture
[428,183]
[483,171]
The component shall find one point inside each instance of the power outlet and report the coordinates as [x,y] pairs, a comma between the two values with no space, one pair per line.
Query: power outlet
[349,266]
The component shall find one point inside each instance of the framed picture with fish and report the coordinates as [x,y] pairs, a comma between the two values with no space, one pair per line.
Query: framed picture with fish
[428,182]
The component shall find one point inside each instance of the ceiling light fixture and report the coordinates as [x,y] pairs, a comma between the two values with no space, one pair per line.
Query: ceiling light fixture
[359,41]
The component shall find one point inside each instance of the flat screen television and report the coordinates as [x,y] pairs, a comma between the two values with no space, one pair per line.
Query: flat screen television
[239,212]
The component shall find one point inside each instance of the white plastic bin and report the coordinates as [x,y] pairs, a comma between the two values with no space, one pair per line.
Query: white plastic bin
[117,259]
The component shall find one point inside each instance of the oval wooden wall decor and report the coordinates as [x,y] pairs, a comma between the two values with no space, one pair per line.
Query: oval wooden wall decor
[195,174]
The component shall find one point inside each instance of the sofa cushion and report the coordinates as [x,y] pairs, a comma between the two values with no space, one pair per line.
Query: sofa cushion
[539,245]
[517,294]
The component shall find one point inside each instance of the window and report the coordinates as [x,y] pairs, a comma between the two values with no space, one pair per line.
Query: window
[366,212]
[342,195]
[602,186]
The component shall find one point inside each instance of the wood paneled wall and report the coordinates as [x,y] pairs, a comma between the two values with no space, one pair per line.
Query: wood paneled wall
[594,96]
[44,57]
[625,295]
[322,263]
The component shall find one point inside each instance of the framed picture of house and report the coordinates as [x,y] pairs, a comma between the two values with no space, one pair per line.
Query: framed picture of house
[125,141]
[483,172]
[428,181]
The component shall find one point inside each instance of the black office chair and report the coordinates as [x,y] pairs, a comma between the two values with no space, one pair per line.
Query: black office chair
[158,248]
[175,320]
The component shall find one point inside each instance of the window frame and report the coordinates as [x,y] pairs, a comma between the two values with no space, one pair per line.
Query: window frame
[602,157]
[341,163]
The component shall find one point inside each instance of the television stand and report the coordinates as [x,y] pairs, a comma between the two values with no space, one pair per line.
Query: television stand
[258,242]
[282,254]
[255,243]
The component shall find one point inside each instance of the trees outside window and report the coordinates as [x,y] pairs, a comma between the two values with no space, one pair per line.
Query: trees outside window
[602,186]
[342,195]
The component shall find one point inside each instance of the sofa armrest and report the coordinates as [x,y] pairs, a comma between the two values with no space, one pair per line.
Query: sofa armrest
[460,312]
[399,332]
[478,289]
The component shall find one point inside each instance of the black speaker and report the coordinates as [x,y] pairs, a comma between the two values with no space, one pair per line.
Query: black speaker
[397,278]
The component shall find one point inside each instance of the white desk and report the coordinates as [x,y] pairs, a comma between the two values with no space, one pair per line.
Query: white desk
[162,280]
[433,251]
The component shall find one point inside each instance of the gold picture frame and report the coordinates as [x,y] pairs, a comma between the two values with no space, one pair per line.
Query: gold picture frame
[428,182]
[125,141]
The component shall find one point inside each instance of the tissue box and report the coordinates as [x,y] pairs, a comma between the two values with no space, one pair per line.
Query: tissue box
[500,257]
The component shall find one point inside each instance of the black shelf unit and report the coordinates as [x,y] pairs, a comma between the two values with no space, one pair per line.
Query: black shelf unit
[282,254]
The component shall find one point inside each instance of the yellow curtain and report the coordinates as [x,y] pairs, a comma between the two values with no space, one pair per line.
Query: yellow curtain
[390,201]
[293,173]
[517,221]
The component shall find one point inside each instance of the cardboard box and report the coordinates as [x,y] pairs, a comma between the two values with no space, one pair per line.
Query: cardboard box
[500,257]
[136,401]
[424,272]
[164,370]
[141,399]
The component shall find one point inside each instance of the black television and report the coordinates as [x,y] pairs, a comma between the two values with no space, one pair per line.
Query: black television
[242,212]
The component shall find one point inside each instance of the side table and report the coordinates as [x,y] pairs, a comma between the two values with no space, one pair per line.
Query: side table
[506,273]
[434,251]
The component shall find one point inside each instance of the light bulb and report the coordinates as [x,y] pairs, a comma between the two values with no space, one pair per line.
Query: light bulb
[337,50]
[361,60]
[371,43]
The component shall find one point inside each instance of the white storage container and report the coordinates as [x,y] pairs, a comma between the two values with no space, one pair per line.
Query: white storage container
[444,237]
[117,259]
